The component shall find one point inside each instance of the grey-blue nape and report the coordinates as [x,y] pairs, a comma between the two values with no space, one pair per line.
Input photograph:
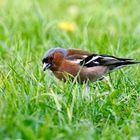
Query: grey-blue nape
[50,51]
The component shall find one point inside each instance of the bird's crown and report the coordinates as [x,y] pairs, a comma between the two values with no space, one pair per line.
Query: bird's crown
[53,50]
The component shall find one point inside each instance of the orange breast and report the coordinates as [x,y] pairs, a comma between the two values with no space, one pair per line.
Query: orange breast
[72,69]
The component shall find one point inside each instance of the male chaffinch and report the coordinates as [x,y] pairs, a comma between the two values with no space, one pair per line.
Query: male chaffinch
[82,64]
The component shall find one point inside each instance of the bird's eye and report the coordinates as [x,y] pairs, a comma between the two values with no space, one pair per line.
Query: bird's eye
[44,60]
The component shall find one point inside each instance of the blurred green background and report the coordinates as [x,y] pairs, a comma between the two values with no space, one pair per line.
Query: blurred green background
[35,106]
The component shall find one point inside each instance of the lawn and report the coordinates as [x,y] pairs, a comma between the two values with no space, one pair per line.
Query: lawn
[34,104]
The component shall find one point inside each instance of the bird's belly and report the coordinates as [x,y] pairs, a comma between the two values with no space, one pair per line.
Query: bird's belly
[93,73]
[63,75]
[82,74]
[58,75]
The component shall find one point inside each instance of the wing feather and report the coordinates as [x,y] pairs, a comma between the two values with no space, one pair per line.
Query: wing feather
[106,60]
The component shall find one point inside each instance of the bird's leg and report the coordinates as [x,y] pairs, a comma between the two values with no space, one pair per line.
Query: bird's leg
[86,90]
[109,81]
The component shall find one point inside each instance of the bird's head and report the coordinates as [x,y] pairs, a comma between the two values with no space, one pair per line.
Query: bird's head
[53,58]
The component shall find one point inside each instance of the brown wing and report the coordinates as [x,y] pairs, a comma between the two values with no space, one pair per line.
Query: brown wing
[78,51]
[77,54]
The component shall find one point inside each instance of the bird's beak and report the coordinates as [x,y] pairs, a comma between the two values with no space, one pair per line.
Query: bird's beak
[46,66]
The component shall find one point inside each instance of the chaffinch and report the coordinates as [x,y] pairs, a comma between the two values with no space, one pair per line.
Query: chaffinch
[84,65]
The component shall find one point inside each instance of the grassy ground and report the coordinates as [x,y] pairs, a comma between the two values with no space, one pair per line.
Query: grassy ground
[34,105]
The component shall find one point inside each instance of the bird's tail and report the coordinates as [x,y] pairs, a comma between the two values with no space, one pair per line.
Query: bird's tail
[123,63]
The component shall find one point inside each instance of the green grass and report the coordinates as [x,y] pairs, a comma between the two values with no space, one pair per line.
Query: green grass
[34,105]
